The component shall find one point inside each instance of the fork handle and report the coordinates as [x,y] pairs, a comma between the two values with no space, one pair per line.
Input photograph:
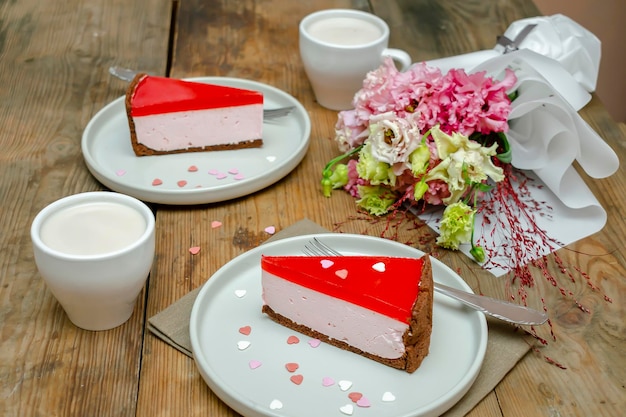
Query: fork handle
[503,310]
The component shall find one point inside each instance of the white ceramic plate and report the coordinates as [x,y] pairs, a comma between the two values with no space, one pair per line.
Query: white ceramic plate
[457,349]
[220,175]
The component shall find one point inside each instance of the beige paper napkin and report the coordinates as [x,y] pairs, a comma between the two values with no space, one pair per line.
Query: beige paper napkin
[504,347]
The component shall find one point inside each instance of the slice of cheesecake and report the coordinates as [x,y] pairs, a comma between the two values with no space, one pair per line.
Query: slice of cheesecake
[167,115]
[376,306]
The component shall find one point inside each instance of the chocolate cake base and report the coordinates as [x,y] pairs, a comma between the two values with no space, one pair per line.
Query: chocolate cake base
[416,339]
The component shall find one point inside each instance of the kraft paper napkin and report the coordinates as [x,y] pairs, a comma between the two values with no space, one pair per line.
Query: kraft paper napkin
[505,347]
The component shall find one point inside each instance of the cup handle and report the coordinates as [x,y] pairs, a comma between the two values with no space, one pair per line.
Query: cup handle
[400,56]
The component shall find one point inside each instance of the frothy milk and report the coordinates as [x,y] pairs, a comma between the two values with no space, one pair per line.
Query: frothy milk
[344,31]
[92,228]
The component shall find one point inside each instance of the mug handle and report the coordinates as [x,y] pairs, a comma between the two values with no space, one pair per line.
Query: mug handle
[400,56]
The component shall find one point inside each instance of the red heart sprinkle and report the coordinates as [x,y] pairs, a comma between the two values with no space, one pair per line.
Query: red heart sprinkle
[292,340]
[297,379]
[157,181]
[355,396]
[181,183]
[292,366]
[245,330]
[192,168]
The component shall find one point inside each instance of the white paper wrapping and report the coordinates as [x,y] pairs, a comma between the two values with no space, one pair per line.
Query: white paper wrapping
[556,67]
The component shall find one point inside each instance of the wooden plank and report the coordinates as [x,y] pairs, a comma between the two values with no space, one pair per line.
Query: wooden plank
[54,57]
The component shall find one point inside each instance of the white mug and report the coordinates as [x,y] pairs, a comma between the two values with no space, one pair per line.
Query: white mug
[94,251]
[338,48]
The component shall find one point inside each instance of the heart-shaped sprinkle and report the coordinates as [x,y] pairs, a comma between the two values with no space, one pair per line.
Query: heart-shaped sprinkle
[245,330]
[157,181]
[192,168]
[355,396]
[347,409]
[292,366]
[270,158]
[213,172]
[342,273]
[239,177]
[345,385]
[363,402]
[221,176]
[243,345]
[254,364]
[194,250]
[388,397]
[270,230]
[292,340]
[181,183]
[233,171]
[276,405]
[215,224]
[315,343]
[297,379]
[326,263]
[328,381]
[120,172]
[379,266]
[240,293]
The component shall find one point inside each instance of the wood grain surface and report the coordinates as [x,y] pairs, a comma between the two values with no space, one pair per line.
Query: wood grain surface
[53,75]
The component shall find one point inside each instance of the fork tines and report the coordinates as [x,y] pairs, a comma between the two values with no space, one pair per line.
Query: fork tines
[316,247]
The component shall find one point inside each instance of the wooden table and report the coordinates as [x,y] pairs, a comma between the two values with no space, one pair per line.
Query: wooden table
[54,57]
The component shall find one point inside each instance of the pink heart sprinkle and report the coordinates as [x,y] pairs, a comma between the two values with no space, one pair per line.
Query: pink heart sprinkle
[292,366]
[355,396]
[213,172]
[342,273]
[245,330]
[326,263]
[254,364]
[221,176]
[192,168]
[270,229]
[194,250]
[297,379]
[328,381]
[233,171]
[157,181]
[215,224]
[181,183]
[314,343]
[120,172]
[292,340]
[239,177]
[363,402]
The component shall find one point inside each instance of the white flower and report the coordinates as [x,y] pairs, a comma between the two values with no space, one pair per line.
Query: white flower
[393,139]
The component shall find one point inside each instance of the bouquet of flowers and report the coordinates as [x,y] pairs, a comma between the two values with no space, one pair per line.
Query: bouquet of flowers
[423,137]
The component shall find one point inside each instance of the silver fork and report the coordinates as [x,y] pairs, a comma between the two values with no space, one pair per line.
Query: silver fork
[503,310]
[127,74]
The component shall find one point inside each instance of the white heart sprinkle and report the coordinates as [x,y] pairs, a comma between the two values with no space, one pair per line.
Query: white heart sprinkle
[240,293]
[326,263]
[345,385]
[270,158]
[243,344]
[347,409]
[342,273]
[388,397]
[380,267]
[276,405]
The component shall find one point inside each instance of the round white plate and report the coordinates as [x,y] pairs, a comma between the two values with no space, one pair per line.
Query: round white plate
[220,175]
[457,348]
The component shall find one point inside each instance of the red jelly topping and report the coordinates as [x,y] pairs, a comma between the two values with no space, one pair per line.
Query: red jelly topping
[359,280]
[156,95]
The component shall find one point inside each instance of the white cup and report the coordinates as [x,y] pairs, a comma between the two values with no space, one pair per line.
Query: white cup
[338,48]
[94,251]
